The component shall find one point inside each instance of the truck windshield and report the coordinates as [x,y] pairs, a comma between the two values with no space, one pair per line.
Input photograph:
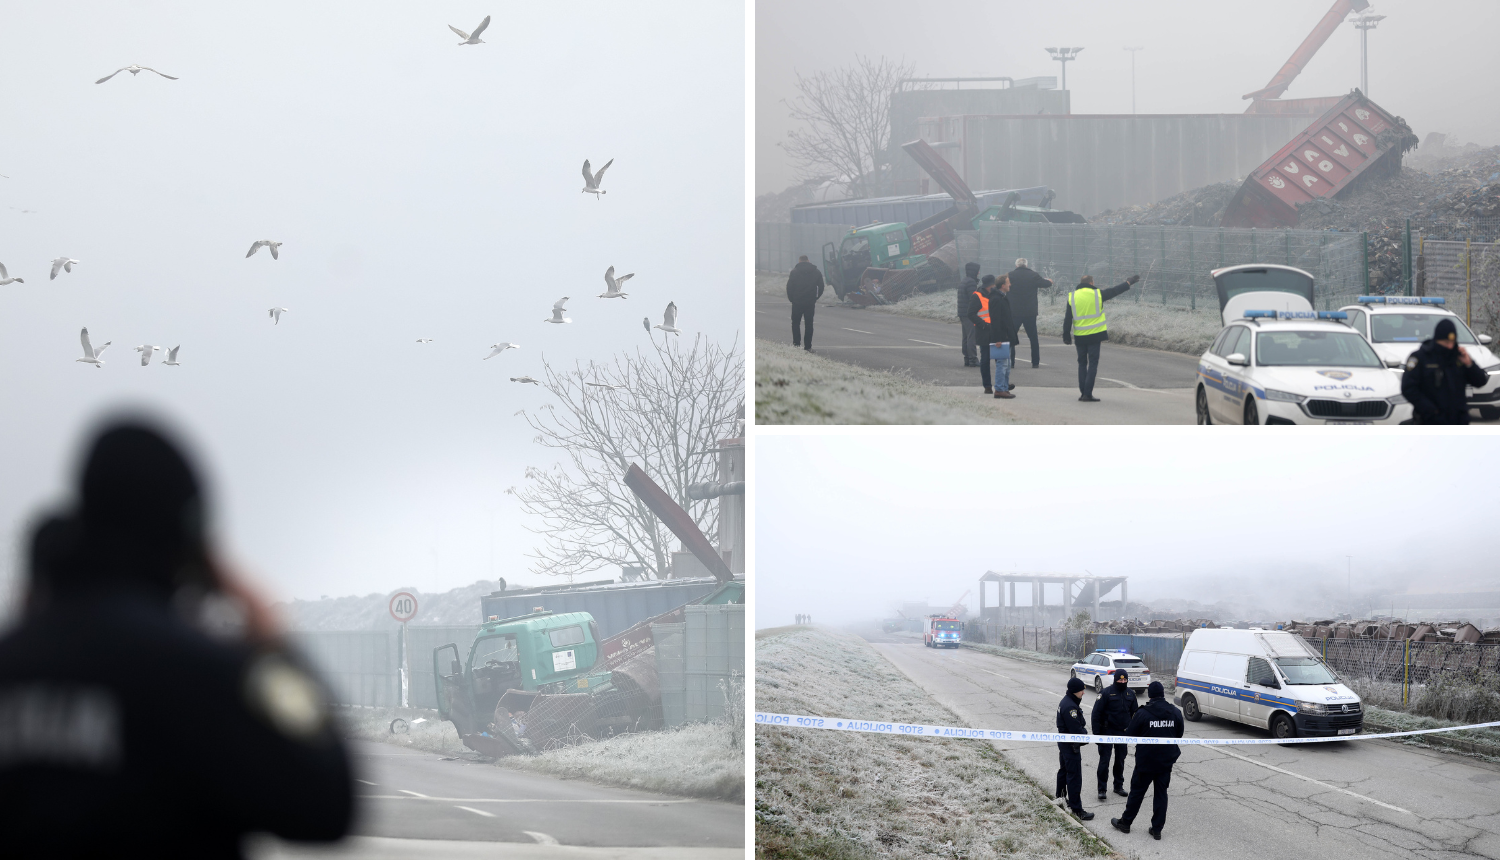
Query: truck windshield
[1413,328]
[496,649]
[1314,349]
[947,625]
[1305,670]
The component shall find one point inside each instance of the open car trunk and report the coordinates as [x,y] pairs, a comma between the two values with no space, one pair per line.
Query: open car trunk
[1264,287]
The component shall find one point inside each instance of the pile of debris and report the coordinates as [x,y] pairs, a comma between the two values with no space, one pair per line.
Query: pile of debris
[1455,202]
[1200,207]
[1154,626]
[1423,631]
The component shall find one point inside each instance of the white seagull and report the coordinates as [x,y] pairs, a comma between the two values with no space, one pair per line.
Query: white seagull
[607,385]
[64,264]
[91,355]
[557,312]
[424,340]
[524,379]
[472,38]
[612,284]
[646,324]
[146,351]
[669,320]
[171,359]
[5,277]
[497,348]
[134,70]
[591,180]
[265,243]
[276,314]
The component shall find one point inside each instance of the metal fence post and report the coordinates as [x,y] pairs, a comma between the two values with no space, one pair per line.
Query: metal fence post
[1109,251]
[1406,675]
[1135,256]
[1468,283]
[1192,275]
[1163,263]
[1406,259]
[1364,254]
[1288,232]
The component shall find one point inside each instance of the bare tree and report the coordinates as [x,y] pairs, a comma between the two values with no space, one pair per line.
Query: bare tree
[664,413]
[846,115]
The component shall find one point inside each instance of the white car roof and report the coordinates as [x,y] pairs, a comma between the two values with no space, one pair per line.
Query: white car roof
[1400,309]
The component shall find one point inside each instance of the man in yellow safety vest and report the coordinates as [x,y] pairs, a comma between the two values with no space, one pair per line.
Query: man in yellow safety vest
[1084,327]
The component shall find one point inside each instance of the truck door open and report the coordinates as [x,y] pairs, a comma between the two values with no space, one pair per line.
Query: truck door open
[447,672]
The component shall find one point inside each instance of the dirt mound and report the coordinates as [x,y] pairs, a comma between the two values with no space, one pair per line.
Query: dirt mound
[1200,207]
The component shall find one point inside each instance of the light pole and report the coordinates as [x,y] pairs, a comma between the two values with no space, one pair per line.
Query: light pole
[1132,76]
[1364,22]
[1063,55]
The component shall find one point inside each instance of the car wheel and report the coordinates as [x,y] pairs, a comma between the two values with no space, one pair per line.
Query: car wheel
[1073,673]
[1489,413]
[1190,710]
[1282,727]
[1203,416]
[1099,684]
[1252,415]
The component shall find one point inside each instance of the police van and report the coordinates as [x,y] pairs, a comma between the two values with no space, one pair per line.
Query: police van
[1269,679]
[1099,668]
[1397,325]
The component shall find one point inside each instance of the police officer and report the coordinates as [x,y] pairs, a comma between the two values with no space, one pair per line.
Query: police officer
[1113,710]
[1153,762]
[1070,758]
[1436,378]
[127,723]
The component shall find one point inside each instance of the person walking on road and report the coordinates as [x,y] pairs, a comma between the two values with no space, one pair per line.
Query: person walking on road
[1084,327]
[1024,284]
[1113,710]
[1437,377]
[1002,337]
[1070,758]
[132,722]
[966,289]
[976,310]
[1153,762]
[804,286]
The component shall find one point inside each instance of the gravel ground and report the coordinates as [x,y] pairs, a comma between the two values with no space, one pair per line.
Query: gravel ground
[854,795]
[793,387]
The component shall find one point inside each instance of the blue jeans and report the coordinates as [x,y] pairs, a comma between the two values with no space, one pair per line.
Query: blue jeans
[1000,354]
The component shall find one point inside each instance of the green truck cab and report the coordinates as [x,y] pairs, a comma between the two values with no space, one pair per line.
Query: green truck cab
[878,246]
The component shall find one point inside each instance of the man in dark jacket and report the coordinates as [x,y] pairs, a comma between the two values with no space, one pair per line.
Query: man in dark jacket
[966,291]
[125,722]
[976,311]
[1087,330]
[1437,377]
[1002,334]
[804,286]
[1070,760]
[1113,710]
[1024,284]
[1153,762]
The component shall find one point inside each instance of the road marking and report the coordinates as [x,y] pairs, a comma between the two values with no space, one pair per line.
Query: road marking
[930,343]
[366,782]
[477,811]
[1314,781]
[541,838]
[858,330]
[1135,387]
[998,675]
[413,794]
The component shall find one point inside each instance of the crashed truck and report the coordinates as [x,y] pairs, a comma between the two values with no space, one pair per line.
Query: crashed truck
[540,680]
[885,263]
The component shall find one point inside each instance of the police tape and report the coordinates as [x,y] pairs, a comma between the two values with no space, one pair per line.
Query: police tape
[917,730]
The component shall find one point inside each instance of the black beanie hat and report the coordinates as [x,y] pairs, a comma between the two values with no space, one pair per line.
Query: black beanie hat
[971,268]
[1121,673]
[1074,685]
[1154,691]
[1445,328]
[987,280]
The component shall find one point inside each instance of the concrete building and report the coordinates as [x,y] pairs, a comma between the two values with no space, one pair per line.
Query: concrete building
[1076,593]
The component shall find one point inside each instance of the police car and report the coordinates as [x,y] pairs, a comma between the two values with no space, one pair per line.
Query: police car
[1397,325]
[1099,668]
[1278,361]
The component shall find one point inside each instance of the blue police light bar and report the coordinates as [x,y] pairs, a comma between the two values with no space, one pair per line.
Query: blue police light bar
[1296,315]
[1402,300]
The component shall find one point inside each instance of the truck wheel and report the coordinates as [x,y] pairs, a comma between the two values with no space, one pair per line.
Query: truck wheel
[1203,416]
[1252,415]
[1282,727]
[1190,710]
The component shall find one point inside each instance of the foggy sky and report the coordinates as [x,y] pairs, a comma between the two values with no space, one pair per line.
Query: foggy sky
[849,527]
[422,190]
[1432,62]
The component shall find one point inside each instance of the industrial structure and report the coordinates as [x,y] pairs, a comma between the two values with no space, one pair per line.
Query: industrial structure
[1078,592]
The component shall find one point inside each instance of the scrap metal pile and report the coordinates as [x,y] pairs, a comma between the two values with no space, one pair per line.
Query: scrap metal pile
[1422,631]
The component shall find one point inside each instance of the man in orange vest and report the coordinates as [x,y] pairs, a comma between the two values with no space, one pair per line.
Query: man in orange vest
[977,312]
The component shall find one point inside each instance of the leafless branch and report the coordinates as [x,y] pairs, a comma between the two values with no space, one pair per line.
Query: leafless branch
[846,117]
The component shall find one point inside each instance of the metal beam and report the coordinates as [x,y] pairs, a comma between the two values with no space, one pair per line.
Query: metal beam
[675,518]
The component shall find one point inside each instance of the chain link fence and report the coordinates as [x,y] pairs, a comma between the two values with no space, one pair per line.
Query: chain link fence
[1057,641]
[777,246]
[1397,673]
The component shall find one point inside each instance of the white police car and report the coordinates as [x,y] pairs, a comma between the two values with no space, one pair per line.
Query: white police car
[1397,325]
[1099,668]
[1277,361]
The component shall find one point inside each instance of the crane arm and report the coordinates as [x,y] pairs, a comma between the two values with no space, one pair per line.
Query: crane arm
[1308,48]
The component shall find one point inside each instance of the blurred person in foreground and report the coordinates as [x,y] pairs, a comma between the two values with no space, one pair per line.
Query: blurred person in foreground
[1153,762]
[130,722]
[1085,327]
[1437,378]
[804,286]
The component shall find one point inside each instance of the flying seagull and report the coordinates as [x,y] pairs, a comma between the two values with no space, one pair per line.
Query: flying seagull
[591,180]
[63,263]
[91,355]
[171,359]
[669,320]
[5,277]
[607,385]
[146,350]
[133,70]
[265,243]
[557,312]
[472,38]
[524,379]
[276,314]
[497,348]
[424,340]
[612,284]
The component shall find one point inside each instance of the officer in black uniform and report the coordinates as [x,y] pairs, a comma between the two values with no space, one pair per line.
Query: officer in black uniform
[1113,710]
[1153,762]
[128,726]
[1437,376]
[1070,758]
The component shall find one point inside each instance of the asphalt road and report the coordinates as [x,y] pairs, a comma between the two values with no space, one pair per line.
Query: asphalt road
[1137,386]
[416,804]
[1365,799]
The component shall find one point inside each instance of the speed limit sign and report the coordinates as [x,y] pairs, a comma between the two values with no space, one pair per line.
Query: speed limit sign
[403,606]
